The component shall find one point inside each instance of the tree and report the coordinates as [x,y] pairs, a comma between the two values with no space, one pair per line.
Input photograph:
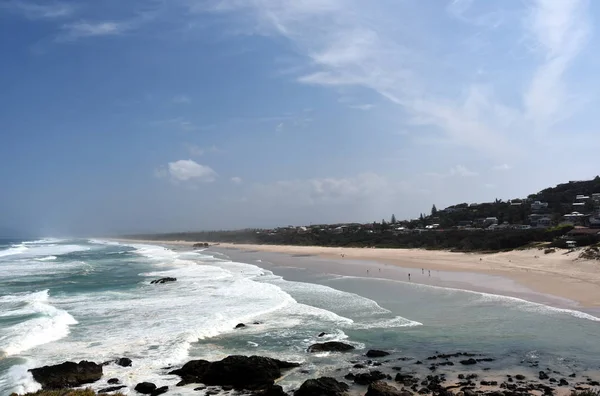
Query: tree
[421,217]
[393,219]
[434,210]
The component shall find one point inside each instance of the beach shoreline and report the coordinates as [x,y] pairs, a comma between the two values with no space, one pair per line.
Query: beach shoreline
[575,282]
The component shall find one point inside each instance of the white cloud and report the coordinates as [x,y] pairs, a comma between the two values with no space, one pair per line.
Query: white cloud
[461,170]
[236,180]
[559,30]
[74,31]
[354,43]
[279,127]
[503,167]
[189,170]
[35,10]
[362,106]
[181,99]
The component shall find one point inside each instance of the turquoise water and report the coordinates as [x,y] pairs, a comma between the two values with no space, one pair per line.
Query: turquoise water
[80,299]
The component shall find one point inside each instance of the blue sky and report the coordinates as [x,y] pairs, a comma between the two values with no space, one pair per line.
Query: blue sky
[141,115]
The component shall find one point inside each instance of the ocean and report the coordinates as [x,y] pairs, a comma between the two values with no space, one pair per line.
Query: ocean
[79,299]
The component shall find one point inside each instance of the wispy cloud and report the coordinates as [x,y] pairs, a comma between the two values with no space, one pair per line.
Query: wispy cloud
[198,151]
[364,107]
[77,30]
[503,167]
[236,180]
[181,99]
[39,10]
[558,30]
[359,44]
[458,170]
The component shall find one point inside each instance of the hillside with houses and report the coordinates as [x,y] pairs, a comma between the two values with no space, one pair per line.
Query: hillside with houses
[567,215]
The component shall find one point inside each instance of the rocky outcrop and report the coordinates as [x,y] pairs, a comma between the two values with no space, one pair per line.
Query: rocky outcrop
[380,388]
[163,280]
[331,346]
[324,386]
[241,372]
[373,353]
[123,362]
[67,374]
[370,377]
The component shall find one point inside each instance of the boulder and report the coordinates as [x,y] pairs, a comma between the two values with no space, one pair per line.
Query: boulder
[380,388]
[468,362]
[159,391]
[241,372]
[324,386]
[145,387]
[111,389]
[373,353]
[240,326]
[331,346]
[322,334]
[520,377]
[563,382]
[163,280]
[368,378]
[543,375]
[67,374]
[113,381]
[123,362]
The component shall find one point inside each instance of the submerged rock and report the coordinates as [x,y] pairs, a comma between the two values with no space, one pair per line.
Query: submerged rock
[67,374]
[543,375]
[240,326]
[163,280]
[468,362]
[322,334]
[159,391]
[372,353]
[241,372]
[113,381]
[123,362]
[331,346]
[324,386]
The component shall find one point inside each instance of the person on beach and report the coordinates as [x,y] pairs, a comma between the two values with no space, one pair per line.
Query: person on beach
[429,272]
[423,271]
[409,277]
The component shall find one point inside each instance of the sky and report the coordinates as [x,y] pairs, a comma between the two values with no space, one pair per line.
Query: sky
[175,115]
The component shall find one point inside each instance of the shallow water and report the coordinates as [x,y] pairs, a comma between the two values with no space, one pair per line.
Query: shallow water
[78,299]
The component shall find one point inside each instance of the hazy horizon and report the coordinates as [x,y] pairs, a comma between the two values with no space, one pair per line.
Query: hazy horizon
[148,116]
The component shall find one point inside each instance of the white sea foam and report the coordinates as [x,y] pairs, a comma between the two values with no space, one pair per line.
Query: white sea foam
[36,250]
[47,258]
[49,324]
[398,321]
[13,250]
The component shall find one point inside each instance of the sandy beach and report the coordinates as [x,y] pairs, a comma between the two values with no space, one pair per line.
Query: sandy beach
[558,274]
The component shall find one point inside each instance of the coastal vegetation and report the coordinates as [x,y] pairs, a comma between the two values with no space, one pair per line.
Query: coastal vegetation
[492,226]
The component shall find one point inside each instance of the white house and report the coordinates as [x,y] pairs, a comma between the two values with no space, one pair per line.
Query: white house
[538,205]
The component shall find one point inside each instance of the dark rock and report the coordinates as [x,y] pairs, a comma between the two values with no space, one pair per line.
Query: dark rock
[200,388]
[241,372]
[257,323]
[227,387]
[331,346]
[485,360]
[418,362]
[423,391]
[359,366]
[553,380]
[305,371]
[323,334]
[159,391]
[489,383]
[405,379]
[163,280]
[543,375]
[461,376]
[563,382]
[373,353]
[145,387]
[593,383]
[113,381]
[349,377]
[468,362]
[123,362]
[380,388]
[404,359]
[111,389]
[368,378]
[240,326]
[212,392]
[324,386]
[573,375]
[67,374]
[274,390]
[510,380]
[376,364]
[520,377]
[397,368]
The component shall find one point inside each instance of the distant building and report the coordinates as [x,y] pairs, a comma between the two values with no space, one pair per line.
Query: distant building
[574,218]
[539,205]
[581,197]
[489,221]
[540,221]
[594,220]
